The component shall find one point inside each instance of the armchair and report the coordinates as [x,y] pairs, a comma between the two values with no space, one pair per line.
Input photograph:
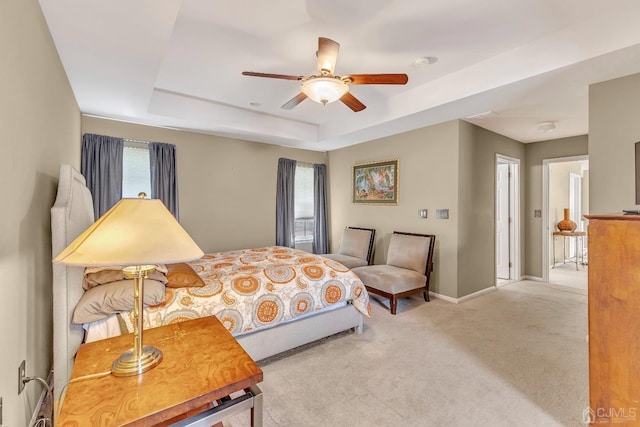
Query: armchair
[356,247]
[407,271]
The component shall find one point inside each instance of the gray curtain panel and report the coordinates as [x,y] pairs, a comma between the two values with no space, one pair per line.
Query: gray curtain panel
[320,226]
[285,203]
[101,165]
[164,176]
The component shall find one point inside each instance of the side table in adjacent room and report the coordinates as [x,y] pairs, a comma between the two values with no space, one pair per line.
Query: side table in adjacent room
[579,238]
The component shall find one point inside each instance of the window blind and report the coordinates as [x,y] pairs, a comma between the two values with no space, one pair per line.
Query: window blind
[304,192]
[136,172]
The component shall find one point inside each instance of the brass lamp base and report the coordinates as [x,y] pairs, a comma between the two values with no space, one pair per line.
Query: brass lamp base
[128,364]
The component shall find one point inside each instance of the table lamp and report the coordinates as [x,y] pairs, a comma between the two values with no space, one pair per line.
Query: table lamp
[136,234]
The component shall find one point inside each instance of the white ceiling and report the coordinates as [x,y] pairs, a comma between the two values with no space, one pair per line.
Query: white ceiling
[178,63]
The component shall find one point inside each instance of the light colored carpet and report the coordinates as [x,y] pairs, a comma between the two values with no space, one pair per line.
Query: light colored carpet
[567,275]
[513,357]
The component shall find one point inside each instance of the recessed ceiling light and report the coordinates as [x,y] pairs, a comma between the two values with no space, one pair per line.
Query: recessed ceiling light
[545,127]
[424,61]
[255,104]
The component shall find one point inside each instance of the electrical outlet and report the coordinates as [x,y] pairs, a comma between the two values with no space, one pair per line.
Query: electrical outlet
[22,374]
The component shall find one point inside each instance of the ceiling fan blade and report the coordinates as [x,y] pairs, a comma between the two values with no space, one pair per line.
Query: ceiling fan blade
[327,55]
[377,79]
[352,102]
[294,101]
[273,76]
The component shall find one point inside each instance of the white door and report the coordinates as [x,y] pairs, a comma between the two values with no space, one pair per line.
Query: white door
[503,261]
[575,208]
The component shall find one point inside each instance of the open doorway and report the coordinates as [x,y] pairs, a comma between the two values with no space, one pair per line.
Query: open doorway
[565,192]
[507,225]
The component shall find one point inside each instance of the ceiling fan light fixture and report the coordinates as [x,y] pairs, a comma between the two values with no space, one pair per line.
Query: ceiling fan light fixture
[324,90]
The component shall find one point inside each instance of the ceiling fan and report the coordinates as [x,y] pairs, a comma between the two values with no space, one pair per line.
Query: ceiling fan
[325,87]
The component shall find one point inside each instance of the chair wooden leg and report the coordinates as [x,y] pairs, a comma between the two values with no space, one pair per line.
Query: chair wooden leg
[393,302]
[426,296]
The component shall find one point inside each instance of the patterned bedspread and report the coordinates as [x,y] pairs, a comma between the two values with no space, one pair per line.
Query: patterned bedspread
[253,289]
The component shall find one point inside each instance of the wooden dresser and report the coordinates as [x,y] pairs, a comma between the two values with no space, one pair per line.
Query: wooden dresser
[614,320]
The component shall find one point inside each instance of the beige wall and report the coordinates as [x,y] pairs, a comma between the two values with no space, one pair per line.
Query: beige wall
[585,195]
[428,180]
[535,154]
[614,128]
[227,187]
[446,166]
[476,196]
[559,189]
[39,129]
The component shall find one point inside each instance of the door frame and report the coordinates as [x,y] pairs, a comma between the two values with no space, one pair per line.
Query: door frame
[514,214]
[575,199]
[546,231]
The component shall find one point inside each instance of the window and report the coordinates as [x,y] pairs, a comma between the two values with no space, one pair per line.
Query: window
[303,196]
[136,169]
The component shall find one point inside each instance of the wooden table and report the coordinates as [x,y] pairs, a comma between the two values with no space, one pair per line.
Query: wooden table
[202,365]
[575,234]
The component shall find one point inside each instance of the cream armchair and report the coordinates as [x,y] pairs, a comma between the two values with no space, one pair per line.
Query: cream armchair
[407,271]
[356,247]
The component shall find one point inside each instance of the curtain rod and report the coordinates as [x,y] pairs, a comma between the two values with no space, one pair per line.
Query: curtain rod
[136,140]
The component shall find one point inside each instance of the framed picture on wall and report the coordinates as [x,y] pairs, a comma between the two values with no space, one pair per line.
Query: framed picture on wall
[376,183]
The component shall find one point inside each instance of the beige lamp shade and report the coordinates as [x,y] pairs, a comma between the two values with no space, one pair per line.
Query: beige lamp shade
[133,232]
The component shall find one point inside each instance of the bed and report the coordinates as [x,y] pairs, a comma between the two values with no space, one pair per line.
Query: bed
[299,299]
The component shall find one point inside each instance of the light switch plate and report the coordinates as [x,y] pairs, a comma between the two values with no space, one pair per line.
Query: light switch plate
[442,213]
[423,213]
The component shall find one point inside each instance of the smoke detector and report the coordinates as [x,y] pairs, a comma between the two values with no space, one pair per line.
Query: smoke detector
[545,127]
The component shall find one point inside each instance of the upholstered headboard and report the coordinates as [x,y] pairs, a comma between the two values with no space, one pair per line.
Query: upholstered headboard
[71,214]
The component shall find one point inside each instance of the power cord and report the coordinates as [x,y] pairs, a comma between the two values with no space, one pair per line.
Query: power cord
[86,377]
[41,422]
[41,381]
[64,389]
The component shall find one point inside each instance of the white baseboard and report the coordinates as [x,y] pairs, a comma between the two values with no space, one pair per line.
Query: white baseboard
[533,278]
[443,297]
[464,298]
[477,294]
